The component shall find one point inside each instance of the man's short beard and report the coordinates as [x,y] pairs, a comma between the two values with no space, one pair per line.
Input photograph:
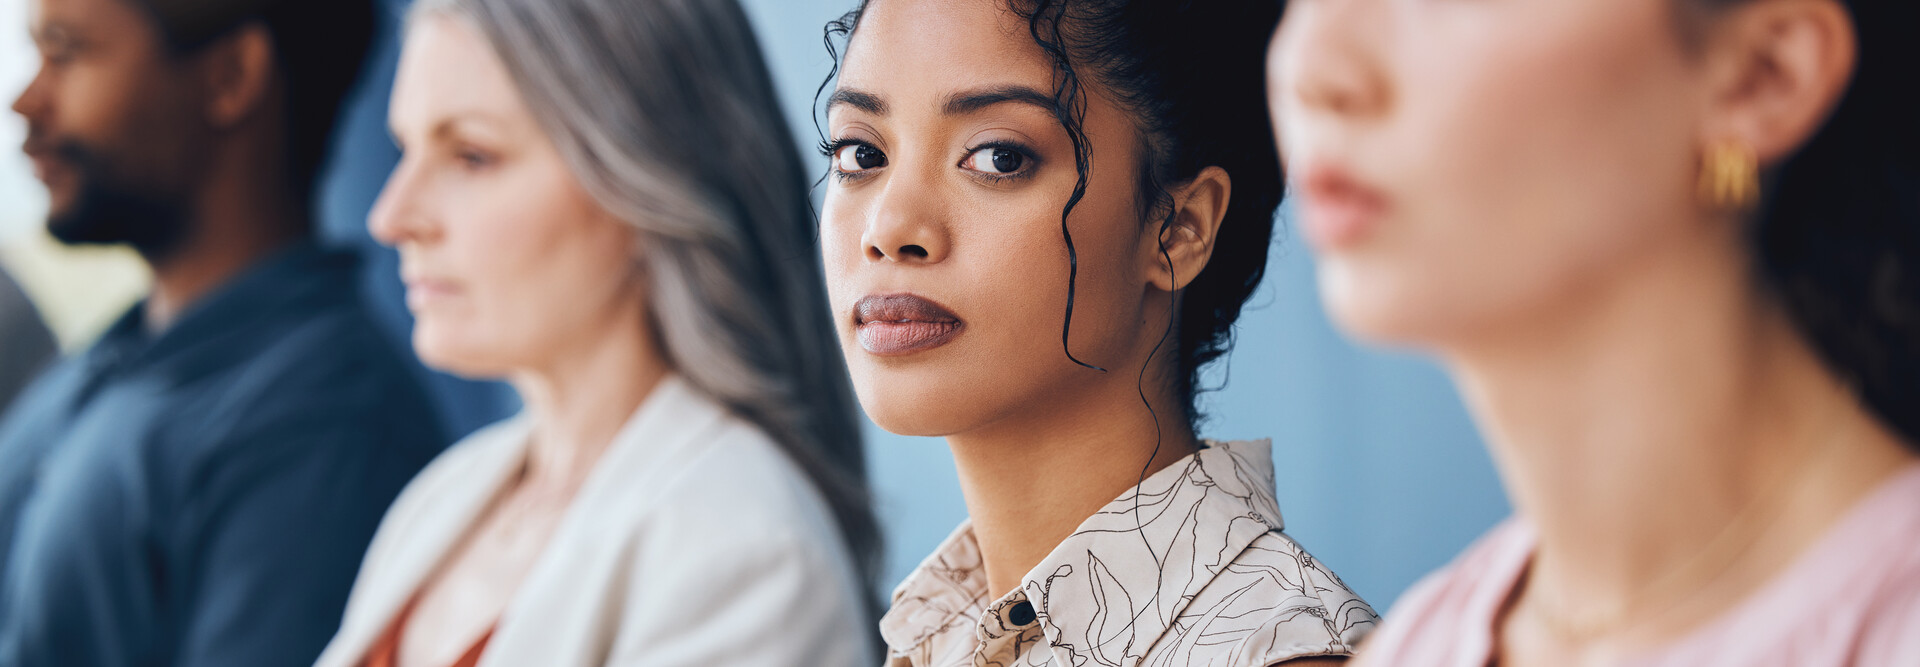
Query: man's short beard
[108,211]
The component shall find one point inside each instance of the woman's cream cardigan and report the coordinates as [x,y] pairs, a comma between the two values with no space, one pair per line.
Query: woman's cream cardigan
[694,541]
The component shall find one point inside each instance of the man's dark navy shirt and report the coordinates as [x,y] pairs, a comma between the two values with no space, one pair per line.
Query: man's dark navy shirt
[203,497]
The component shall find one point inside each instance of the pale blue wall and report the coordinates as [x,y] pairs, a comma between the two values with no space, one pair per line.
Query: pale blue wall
[1381,473]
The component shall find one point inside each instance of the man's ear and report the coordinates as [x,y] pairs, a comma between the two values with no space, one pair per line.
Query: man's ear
[239,72]
[1185,242]
[1779,68]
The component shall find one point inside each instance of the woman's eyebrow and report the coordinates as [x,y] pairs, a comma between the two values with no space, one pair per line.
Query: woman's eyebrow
[957,104]
[857,99]
[966,102]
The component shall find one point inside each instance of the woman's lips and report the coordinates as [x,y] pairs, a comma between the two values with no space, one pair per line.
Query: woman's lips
[422,293]
[901,324]
[1338,209]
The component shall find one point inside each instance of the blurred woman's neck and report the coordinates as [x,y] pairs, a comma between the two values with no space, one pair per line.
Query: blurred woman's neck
[1639,424]
[585,393]
[1031,479]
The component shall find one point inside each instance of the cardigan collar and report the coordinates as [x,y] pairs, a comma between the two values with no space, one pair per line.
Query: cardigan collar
[668,426]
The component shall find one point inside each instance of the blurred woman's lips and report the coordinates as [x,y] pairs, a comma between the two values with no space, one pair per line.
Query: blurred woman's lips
[1337,208]
[901,324]
[423,292]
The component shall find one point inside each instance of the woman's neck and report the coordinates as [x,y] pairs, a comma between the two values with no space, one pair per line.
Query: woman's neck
[1639,426]
[581,398]
[1030,481]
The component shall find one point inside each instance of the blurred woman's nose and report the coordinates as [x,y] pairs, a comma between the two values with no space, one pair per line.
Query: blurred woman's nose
[907,223]
[398,216]
[1326,59]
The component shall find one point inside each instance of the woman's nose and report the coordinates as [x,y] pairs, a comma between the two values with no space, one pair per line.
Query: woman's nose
[398,215]
[906,225]
[1326,59]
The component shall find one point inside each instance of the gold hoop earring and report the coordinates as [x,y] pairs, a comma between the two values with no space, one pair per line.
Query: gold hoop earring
[1730,176]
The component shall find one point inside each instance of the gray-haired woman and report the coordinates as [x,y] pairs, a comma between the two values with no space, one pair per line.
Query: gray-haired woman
[599,202]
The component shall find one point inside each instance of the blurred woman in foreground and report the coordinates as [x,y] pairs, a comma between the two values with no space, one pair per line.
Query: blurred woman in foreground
[631,248]
[1670,250]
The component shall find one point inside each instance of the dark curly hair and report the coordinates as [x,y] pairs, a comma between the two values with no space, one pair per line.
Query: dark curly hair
[1837,235]
[1190,74]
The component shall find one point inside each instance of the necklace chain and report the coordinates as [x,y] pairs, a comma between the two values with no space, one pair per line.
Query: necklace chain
[1734,539]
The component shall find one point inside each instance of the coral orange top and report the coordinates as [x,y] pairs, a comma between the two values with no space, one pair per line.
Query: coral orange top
[386,651]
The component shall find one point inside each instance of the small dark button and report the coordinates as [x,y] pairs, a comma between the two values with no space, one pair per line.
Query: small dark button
[1020,613]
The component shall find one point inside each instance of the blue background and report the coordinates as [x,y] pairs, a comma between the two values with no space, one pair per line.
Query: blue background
[1380,471]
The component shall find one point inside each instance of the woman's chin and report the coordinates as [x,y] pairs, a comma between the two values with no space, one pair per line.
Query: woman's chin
[454,358]
[1371,325]
[901,409]
[900,418]
[1370,309]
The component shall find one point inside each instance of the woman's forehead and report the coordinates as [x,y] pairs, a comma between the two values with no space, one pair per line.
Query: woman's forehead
[927,50]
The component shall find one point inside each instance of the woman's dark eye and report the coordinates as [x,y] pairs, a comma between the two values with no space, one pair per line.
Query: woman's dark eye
[853,158]
[995,160]
[474,160]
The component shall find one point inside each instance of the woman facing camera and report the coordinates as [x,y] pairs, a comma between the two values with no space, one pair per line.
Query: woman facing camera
[1670,250]
[630,247]
[1043,220]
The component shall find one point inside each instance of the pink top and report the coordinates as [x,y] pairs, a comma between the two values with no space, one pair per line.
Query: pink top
[1852,599]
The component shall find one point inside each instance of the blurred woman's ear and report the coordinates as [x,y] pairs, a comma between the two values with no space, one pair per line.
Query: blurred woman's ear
[1191,227]
[1778,69]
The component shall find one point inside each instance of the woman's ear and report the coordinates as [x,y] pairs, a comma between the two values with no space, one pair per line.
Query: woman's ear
[1185,241]
[1779,69]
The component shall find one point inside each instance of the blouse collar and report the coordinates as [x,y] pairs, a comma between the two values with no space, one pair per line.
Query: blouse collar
[1113,587]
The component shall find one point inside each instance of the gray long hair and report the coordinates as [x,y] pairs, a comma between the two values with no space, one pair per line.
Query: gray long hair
[666,113]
